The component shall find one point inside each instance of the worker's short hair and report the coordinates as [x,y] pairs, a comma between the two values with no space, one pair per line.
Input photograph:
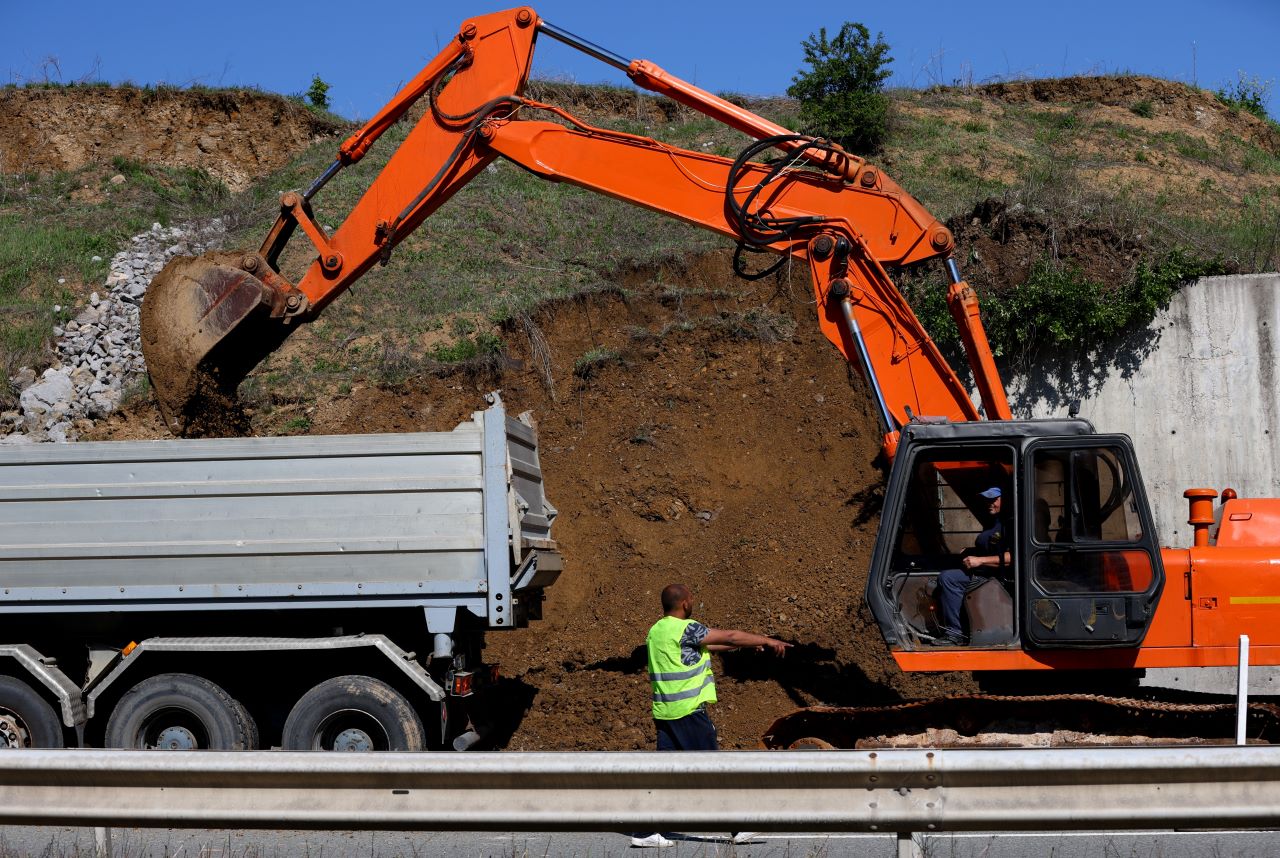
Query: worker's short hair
[673,595]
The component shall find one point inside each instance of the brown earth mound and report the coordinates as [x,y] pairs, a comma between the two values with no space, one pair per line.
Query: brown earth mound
[234,135]
[733,453]
[716,438]
[1000,244]
[1186,104]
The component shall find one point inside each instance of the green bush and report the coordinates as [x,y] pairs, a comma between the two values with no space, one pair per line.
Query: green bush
[1143,108]
[318,94]
[840,93]
[482,346]
[1060,306]
[1248,93]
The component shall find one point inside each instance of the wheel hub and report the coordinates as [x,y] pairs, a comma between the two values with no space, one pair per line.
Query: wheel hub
[176,739]
[352,739]
[13,733]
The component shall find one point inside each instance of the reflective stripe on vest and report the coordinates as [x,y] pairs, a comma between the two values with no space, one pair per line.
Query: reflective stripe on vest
[678,689]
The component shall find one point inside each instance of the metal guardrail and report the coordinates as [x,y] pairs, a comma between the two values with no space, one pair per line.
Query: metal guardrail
[885,791]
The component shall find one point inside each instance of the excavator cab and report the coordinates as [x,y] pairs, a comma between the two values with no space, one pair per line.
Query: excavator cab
[1083,567]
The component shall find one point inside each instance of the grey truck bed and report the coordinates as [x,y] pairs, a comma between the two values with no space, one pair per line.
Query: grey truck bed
[440,520]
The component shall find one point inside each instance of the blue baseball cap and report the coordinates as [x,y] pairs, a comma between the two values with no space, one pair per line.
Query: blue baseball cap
[991,493]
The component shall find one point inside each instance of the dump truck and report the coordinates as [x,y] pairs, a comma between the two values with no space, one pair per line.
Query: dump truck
[309,592]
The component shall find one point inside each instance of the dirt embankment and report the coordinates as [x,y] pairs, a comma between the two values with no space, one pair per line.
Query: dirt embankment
[234,135]
[1001,244]
[1185,105]
[727,445]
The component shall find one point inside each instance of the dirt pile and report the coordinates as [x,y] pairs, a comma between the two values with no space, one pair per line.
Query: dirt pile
[1168,99]
[718,439]
[710,450]
[234,135]
[1001,243]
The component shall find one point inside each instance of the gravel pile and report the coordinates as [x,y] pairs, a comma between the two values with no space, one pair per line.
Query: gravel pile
[98,352]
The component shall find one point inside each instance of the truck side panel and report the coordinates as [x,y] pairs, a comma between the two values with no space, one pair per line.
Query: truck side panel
[279,522]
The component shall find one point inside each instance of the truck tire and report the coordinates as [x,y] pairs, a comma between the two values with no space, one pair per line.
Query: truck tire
[180,711]
[353,713]
[26,719]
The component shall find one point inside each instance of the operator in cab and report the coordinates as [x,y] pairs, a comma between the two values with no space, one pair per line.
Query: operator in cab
[989,557]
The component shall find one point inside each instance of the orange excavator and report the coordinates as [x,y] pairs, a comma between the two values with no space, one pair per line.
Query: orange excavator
[1086,585]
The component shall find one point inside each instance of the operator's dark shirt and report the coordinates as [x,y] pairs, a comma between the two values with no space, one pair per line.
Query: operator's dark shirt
[992,542]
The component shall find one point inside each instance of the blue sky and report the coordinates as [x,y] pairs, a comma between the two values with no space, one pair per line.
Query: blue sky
[366,50]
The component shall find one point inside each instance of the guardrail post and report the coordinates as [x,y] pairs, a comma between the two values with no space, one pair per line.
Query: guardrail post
[102,842]
[1242,689]
[910,845]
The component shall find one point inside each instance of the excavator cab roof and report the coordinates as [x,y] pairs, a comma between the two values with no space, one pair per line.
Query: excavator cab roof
[993,430]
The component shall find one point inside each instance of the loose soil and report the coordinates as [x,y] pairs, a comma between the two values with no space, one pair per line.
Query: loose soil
[1000,244]
[234,135]
[704,453]
[1182,104]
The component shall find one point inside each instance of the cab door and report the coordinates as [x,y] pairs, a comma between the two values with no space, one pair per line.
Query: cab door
[1093,573]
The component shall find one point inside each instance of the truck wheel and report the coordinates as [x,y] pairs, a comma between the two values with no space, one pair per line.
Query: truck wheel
[26,719]
[353,713]
[180,712]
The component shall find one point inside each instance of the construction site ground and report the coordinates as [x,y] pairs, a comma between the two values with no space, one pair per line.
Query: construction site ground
[694,427]
[707,451]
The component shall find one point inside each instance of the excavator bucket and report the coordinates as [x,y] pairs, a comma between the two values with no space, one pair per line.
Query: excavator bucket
[206,323]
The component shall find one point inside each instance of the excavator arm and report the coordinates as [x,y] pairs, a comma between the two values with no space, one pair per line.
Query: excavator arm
[208,321]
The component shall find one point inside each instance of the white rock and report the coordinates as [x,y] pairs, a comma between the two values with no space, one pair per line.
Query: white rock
[55,386]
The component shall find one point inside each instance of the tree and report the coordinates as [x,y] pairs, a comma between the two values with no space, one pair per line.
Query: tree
[840,93]
[318,95]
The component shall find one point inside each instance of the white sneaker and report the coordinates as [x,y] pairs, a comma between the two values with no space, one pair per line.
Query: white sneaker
[652,841]
[744,836]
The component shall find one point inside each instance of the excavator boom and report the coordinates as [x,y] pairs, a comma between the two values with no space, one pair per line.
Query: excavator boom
[207,322]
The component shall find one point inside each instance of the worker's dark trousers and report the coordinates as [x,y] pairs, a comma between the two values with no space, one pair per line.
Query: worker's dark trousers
[693,732]
[952,585]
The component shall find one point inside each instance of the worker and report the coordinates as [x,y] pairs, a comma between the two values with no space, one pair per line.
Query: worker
[989,554]
[683,684]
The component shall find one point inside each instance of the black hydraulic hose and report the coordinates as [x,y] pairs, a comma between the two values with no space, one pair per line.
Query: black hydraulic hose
[477,117]
[757,228]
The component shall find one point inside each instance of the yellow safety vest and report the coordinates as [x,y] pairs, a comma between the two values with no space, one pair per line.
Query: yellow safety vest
[678,688]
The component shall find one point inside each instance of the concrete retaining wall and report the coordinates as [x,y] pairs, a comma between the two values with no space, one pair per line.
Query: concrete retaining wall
[1196,391]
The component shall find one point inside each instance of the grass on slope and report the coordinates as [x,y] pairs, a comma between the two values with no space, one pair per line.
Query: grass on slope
[52,227]
[509,240]
[1211,194]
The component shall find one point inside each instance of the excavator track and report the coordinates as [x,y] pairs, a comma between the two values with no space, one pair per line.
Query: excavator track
[988,720]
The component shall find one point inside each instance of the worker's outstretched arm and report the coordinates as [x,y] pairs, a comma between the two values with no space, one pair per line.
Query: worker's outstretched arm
[735,638]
